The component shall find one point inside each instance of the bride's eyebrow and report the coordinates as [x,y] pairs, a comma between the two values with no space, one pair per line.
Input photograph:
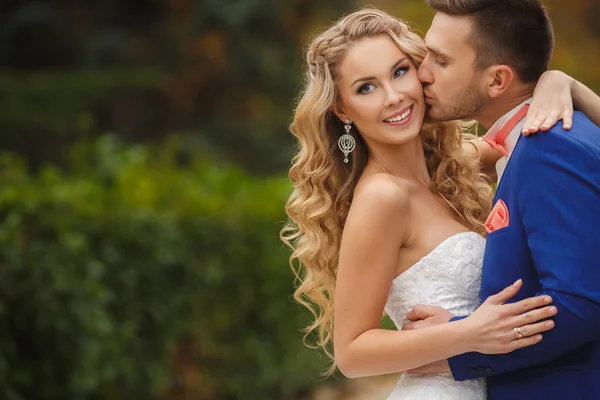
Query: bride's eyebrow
[370,78]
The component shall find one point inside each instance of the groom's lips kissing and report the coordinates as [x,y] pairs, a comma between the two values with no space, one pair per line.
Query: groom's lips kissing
[402,117]
[427,97]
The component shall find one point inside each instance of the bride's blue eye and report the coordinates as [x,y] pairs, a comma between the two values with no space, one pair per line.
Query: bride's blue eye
[400,71]
[367,88]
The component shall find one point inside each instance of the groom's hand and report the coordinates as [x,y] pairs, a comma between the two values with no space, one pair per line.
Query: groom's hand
[424,316]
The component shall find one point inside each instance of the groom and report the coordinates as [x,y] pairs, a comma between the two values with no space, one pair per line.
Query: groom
[484,59]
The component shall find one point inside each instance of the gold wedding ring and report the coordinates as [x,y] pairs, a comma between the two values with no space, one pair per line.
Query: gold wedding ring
[518,332]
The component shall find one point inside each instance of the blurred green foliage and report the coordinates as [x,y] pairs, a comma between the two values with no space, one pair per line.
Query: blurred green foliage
[226,71]
[146,274]
[144,69]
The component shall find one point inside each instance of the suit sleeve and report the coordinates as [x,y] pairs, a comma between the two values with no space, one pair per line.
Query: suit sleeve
[558,200]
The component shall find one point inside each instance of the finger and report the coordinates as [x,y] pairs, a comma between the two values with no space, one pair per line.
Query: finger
[417,313]
[408,327]
[532,329]
[422,312]
[525,342]
[568,119]
[506,294]
[535,316]
[533,127]
[530,303]
[549,122]
[532,114]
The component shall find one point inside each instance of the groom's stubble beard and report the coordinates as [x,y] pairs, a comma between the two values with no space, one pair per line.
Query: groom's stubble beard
[466,104]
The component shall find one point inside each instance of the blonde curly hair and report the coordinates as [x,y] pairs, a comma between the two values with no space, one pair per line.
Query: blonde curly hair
[324,185]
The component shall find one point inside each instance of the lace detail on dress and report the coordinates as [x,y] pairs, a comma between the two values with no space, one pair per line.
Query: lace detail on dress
[449,277]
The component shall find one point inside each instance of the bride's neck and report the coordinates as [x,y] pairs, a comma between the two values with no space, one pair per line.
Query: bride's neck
[405,161]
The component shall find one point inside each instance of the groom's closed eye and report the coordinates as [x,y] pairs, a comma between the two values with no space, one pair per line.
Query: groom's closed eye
[440,61]
[438,57]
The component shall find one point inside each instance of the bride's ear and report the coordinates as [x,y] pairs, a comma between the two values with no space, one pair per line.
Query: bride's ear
[338,111]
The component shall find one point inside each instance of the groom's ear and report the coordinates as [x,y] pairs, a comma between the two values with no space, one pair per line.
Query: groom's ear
[498,78]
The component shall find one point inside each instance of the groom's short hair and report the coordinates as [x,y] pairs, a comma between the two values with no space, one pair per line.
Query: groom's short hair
[517,33]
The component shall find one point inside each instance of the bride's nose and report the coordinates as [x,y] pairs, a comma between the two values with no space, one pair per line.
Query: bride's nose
[392,96]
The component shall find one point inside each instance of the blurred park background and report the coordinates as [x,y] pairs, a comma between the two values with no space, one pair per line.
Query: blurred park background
[143,157]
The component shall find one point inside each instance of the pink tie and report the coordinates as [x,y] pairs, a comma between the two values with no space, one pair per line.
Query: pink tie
[498,142]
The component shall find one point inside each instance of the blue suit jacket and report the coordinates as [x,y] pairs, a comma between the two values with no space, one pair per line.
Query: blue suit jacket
[551,187]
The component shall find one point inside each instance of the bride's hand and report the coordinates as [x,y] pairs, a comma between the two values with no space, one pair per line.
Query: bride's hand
[498,328]
[552,101]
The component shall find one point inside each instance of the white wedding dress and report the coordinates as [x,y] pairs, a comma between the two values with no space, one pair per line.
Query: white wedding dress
[449,277]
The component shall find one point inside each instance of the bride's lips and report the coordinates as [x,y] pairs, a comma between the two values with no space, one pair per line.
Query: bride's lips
[404,121]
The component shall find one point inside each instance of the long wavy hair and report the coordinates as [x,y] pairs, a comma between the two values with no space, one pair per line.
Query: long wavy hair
[324,184]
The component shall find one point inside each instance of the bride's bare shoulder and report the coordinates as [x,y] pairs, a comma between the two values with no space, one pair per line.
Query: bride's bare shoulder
[382,190]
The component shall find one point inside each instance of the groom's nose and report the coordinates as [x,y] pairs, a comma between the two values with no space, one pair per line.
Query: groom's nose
[424,72]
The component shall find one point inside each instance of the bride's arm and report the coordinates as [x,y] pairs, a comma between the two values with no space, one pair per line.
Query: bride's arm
[376,228]
[586,101]
[552,102]
[555,95]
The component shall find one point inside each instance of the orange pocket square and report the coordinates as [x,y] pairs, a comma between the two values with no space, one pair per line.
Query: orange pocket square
[498,218]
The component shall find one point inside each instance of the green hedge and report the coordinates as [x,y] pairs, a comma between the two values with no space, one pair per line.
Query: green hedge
[133,276]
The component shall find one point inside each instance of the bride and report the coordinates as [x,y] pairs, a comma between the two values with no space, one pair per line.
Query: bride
[387,212]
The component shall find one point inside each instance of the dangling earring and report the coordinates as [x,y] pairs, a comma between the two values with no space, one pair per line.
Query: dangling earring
[346,143]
